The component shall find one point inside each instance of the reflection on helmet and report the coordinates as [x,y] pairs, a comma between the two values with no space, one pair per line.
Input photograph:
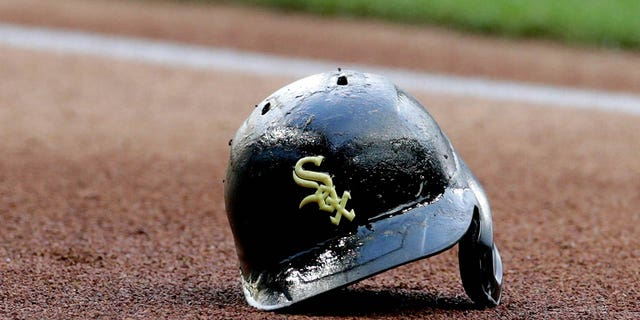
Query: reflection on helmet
[341,175]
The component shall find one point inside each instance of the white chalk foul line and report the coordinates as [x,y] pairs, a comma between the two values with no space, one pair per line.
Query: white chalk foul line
[174,54]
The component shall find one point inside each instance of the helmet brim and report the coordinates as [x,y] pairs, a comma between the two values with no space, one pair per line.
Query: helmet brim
[391,240]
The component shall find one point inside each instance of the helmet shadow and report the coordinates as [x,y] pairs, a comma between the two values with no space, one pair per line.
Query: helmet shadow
[362,302]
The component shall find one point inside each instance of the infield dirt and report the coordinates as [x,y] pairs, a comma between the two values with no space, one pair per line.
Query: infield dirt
[111,172]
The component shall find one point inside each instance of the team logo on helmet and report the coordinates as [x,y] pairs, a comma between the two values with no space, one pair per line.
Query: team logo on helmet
[325,196]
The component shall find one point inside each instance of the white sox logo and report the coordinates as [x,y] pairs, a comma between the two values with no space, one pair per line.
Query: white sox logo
[325,196]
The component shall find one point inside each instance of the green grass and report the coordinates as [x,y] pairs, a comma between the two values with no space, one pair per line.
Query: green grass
[610,23]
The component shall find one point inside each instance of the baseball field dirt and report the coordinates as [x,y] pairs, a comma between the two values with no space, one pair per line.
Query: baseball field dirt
[111,174]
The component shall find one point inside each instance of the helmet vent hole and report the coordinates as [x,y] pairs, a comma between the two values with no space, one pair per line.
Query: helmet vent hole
[266,108]
[342,81]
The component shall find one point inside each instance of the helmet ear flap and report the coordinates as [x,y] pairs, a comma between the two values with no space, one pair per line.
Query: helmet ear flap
[480,265]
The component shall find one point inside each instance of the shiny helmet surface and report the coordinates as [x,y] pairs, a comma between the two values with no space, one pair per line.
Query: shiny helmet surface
[340,176]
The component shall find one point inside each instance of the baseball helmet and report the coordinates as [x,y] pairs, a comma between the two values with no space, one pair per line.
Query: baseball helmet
[340,176]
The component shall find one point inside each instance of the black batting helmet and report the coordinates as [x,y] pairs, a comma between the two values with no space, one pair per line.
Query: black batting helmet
[340,176]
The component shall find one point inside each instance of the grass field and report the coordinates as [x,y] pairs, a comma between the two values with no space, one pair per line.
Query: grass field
[593,22]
